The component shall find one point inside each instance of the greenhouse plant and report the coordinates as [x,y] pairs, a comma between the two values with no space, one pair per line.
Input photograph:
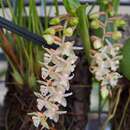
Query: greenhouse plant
[55,63]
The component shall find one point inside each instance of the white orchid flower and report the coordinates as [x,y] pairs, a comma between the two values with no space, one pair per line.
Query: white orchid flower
[52,111]
[58,95]
[66,49]
[105,63]
[36,121]
[39,118]
[57,70]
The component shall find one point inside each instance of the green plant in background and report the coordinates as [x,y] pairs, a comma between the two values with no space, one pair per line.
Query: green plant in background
[109,6]
[26,56]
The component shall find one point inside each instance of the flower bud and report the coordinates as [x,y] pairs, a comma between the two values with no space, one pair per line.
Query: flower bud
[95,24]
[50,31]
[54,21]
[68,32]
[105,2]
[117,62]
[97,44]
[116,35]
[104,92]
[117,48]
[94,16]
[49,39]
[120,23]
[111,13]
[73,21]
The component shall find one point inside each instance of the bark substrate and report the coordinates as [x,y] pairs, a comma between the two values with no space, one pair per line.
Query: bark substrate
[19,102]
[121,108]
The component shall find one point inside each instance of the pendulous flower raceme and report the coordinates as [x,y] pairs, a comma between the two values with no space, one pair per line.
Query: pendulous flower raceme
[106,51]
[57,70]
[105,63]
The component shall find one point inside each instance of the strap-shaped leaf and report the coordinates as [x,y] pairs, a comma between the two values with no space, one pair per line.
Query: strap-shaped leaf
[71,6]
[116,4]
[83,28]
[125,62]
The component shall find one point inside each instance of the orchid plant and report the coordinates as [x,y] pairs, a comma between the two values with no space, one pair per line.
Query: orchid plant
[57,70]
[103,54]
[106,51]
[107,58]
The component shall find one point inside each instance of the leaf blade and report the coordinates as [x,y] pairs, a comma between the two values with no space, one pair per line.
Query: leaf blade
[125,62]
[84,29]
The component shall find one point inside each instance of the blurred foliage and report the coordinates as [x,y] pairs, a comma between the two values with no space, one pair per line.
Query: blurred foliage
[111,7]
[22,55]
[71,6]
[125,63]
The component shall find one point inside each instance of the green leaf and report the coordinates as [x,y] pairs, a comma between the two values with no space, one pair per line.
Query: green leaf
[116,4]
[71,6]
[56,7]
[104,93]
[17,77]
[98,32]
[32,81]
[125,62]
[83,28]
[102,4]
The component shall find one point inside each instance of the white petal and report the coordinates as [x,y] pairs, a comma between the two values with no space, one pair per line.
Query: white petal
[40,104]
[36,121]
